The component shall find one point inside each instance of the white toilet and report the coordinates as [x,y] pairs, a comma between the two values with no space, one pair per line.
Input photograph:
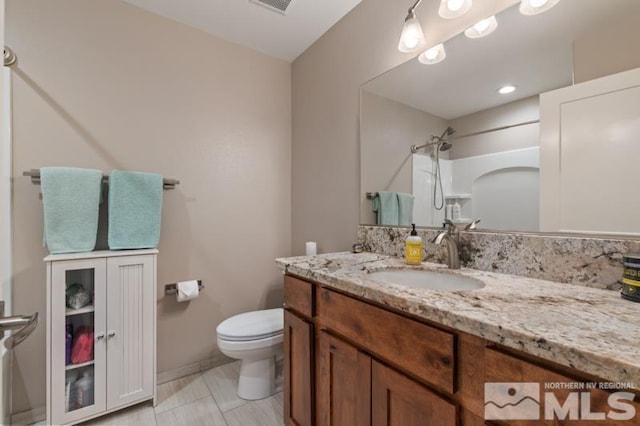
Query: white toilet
[255,338]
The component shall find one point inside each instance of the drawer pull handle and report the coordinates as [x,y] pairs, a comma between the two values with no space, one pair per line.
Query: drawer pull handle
[446,360]
[100,336]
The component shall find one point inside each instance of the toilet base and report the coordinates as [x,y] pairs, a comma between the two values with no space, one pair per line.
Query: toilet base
[257,378]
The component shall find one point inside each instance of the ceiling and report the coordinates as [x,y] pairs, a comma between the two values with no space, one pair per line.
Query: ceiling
[283,36]
[535,53]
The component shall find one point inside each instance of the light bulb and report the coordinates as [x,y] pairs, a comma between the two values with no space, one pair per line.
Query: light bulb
[482,28]
[533,7]
[431,54]
[455,5]
[482,25]
[450,9]
[434,55]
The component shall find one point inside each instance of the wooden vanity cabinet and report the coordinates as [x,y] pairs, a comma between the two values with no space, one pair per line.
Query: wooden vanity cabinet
[298,353]
[502,366]
[349,362]
[369,366]
[355,389]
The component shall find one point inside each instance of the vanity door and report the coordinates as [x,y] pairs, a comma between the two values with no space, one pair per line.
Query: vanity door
[344,383]
[298,370]
[398,400]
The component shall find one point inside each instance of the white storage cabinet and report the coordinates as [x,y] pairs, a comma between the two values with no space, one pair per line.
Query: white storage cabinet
[122,318]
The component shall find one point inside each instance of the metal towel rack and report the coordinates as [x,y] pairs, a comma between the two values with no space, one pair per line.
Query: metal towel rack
[35,179]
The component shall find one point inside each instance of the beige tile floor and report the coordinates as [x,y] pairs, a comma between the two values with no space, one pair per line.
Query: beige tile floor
[205,399]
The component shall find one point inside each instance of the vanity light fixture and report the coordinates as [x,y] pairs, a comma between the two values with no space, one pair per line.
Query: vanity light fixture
[450,9]
[533,7]
[504,90]
[482,28]
[433,56]
[412,37]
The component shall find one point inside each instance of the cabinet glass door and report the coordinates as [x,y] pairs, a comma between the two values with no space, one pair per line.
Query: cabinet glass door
[78,338]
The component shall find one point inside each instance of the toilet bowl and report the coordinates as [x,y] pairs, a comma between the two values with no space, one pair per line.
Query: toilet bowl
[255,338]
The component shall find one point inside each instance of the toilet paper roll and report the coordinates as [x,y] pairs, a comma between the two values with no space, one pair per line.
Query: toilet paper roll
[311,248]
[187,290]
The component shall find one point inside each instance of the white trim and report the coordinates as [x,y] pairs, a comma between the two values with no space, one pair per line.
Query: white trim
[6,225]
[28,417]
[193,368]
[98,254]
[5,190]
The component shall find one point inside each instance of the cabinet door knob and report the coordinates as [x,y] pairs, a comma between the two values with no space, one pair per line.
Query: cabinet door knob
[100,335]
[111,333]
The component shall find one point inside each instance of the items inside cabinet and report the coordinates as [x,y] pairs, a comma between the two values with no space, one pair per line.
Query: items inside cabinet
[79,338]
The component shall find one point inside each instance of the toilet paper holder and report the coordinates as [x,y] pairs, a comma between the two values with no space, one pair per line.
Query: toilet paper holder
[173,288]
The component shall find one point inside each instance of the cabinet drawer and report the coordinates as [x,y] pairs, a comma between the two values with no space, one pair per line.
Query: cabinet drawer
[421,350]
[503,368]
[298,295]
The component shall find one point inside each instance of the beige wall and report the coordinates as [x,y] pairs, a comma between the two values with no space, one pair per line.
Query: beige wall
[516,112]
[388,129]
[105,85]
[611,48]
[326,79]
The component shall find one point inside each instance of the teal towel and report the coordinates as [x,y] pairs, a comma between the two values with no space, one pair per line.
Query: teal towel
[385,204]
[135,207]
[70,201]
[405,209]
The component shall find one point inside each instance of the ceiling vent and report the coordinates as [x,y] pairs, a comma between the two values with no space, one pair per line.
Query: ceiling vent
[279,6]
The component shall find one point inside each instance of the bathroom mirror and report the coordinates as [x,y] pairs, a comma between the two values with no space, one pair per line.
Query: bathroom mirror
[489,166]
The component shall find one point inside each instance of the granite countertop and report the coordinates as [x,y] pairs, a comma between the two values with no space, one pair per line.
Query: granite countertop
[591,330]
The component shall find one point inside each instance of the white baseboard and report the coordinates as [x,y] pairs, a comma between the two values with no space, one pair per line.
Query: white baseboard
[194,368]
[29,417]
[39,414]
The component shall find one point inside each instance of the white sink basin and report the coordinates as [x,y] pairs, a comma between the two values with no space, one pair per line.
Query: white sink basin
[428,280]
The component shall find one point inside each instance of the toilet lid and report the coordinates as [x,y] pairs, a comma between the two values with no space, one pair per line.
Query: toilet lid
[252,325]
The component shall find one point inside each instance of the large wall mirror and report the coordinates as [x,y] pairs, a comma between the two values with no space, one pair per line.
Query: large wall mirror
[479,150]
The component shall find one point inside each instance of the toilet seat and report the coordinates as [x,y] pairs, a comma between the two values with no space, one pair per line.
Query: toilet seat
[249,326]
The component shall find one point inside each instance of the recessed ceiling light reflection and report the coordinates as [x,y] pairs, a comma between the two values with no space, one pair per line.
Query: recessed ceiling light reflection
[504,90]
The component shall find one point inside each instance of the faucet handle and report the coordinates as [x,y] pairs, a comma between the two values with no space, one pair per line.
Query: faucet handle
[452,226]
[473,225]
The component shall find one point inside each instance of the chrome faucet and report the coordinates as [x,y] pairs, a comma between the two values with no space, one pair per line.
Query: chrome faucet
[453,259]
[452,236]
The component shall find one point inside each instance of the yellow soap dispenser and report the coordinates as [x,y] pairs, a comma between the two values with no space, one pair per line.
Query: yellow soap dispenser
[413,248]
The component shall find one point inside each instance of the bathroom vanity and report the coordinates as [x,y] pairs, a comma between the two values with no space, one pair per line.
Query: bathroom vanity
[360,351]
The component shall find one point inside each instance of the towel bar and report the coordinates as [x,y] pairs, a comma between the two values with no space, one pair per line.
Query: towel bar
[172,288]
[35,179]
[370,195]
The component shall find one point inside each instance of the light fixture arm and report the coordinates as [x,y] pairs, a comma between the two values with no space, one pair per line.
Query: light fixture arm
[413,8]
